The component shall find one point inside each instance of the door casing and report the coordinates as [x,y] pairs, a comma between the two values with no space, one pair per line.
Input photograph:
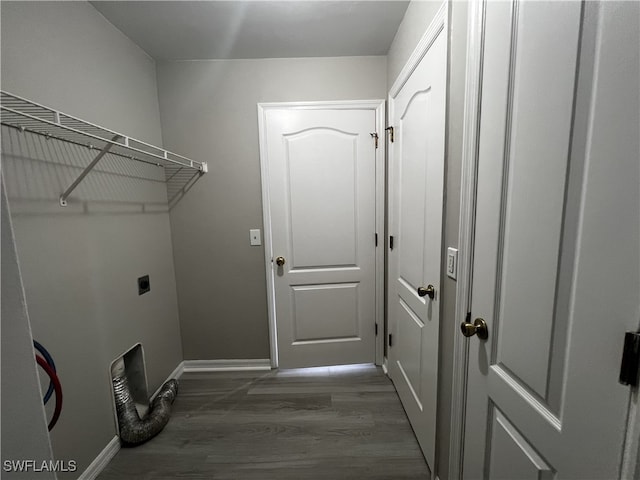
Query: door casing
[473,72]
[378,106]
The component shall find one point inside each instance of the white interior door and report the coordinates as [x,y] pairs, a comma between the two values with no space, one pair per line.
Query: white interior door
[556,270]
[416,159]
[322,201]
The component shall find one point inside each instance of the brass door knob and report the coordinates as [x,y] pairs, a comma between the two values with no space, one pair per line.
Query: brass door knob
[429,291]
[280,261]
[478,327]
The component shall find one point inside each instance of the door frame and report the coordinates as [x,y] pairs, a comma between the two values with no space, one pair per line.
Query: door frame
[378,107]
[470,138]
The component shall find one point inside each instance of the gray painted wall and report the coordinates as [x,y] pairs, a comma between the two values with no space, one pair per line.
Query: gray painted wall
[417,19]
[208,111]
[80,264]
[67,56]
[24,427]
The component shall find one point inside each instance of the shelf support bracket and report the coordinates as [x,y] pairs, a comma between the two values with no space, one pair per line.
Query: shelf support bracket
[72,187]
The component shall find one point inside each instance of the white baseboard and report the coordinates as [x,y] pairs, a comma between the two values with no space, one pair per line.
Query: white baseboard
[101,461]
[385,367]
[226,365]
[177,373]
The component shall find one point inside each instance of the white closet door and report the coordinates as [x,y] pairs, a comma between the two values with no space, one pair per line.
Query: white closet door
[556,273]
[417,178]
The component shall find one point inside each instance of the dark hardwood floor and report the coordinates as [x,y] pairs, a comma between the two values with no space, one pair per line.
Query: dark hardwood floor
[320,423]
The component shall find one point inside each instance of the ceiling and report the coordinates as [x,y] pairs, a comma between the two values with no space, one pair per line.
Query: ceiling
[189,30]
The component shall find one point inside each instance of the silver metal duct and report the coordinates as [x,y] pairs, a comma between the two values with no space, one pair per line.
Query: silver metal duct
[133,430]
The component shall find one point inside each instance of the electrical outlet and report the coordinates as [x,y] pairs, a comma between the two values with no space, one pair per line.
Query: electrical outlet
[255,237]
[452,262]
[144,285]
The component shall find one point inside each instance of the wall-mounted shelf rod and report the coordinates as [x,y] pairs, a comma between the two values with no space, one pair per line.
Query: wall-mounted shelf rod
[28,116]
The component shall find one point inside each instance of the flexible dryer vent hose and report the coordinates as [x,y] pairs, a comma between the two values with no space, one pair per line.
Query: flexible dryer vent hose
[133,430]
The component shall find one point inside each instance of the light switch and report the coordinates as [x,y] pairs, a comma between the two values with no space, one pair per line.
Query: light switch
[452,262]
[255,236]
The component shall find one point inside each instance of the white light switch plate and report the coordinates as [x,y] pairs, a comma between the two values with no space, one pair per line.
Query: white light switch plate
[254,235]
[452,262]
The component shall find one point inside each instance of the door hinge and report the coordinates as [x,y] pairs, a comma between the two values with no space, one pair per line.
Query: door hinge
[390,340]
[376,329]
[630,359]
[376,239]
[390,242]
[374,135]
[390,130]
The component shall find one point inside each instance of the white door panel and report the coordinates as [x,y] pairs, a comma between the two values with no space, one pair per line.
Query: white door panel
[321,180]
[416,159]
[523,461]
[555,198]
[322,166]
[328,311]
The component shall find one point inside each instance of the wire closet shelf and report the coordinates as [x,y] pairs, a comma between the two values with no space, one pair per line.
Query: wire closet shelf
[27,116]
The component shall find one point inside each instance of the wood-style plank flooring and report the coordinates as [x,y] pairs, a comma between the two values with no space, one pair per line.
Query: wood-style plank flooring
[320,423]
